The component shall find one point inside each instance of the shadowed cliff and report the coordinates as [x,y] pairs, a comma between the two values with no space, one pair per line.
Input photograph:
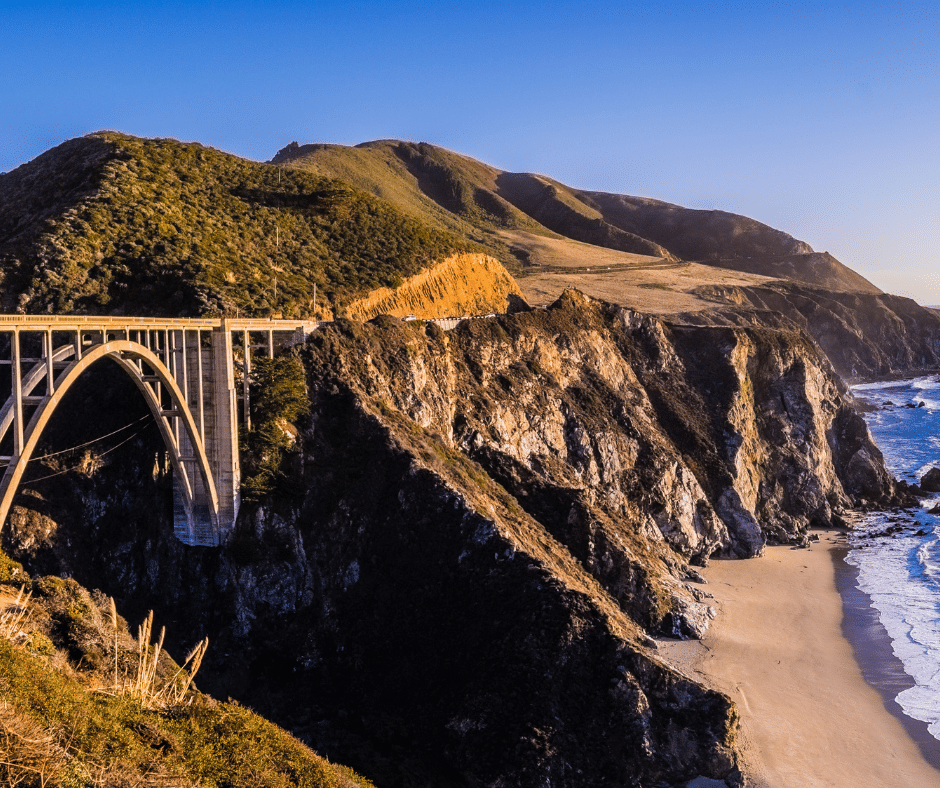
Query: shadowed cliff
[479,531]
[864,335]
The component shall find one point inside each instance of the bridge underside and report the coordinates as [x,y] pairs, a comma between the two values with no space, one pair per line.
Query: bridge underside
[184,369]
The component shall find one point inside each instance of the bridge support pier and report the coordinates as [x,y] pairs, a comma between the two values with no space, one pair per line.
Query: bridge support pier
[222,438]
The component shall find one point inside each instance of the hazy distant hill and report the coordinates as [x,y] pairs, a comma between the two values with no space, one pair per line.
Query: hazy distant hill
[511,215]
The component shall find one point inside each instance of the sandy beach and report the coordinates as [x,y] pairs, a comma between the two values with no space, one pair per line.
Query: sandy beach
[778,649]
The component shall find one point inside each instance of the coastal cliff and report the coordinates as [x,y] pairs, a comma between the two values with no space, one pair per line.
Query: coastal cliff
[453,568]
[477,534]
[864,335]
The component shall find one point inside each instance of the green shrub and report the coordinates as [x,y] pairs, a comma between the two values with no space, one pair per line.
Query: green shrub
[11,572]
[39,644]
[278,399]
[77,624]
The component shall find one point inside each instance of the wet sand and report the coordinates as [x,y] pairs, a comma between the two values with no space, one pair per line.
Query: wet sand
[781,648]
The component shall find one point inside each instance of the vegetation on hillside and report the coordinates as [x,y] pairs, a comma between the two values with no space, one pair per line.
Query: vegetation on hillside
[112,223]
[451,192]
[494,208]
[70,715]
[278,399]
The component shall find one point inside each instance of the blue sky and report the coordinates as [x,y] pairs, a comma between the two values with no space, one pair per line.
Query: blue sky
[819,119]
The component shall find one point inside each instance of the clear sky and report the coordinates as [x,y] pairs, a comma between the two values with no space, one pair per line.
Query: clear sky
[819,119]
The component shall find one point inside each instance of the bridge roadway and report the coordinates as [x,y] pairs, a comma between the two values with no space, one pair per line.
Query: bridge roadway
[184,368]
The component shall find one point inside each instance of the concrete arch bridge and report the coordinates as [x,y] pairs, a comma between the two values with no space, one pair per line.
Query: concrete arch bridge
[185,370]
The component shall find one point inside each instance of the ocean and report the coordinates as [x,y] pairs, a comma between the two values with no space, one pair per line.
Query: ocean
[897,554]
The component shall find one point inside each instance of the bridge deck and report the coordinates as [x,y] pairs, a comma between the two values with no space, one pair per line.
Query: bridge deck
[75,322]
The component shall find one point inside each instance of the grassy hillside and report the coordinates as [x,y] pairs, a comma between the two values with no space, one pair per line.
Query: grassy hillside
[511,215]
[555,206]
[452,192]
[112,223]
[469,198]
[76,710]
[727,240]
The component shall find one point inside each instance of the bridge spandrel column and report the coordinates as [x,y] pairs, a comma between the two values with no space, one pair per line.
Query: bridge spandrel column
[221,418]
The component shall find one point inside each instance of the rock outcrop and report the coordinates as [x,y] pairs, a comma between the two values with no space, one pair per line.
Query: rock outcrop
[930,481]
[463,284]
[865,335]
[480,531]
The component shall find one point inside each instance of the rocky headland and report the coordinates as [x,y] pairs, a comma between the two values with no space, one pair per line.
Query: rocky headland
[479,535]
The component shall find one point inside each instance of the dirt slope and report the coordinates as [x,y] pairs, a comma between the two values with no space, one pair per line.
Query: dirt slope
[464,284]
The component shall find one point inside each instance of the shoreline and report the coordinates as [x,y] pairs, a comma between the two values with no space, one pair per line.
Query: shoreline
[794,657]
[871,645]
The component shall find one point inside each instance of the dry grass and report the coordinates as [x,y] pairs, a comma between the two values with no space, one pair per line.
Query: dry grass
[29,754]
[14,619]
[130,717]
[152,693]
[558,252]
[659,290]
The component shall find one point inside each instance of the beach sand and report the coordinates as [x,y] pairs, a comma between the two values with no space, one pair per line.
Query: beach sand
[778,649]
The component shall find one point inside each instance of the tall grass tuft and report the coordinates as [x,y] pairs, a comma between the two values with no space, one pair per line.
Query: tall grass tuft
[145,688]
[114,631]
[13,620]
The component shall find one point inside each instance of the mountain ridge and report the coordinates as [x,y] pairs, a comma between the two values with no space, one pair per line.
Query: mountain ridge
[111,222]
[464,188]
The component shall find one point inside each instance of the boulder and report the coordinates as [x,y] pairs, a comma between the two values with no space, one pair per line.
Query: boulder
[930,481]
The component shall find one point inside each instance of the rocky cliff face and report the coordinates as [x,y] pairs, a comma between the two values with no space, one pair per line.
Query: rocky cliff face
[463,284]
[865,335]
[664,424]
[482,529]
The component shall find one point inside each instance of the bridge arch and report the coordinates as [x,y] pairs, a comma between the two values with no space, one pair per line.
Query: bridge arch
[187,370]
[196,485]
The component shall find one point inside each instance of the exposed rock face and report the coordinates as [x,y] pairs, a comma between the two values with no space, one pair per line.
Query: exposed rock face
[628,419]
[864,335]
[463,284]
[930,481]
[485,525]
[459,635]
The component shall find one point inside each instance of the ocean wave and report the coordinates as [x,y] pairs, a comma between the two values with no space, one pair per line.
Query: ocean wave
[900,572]
[902,578]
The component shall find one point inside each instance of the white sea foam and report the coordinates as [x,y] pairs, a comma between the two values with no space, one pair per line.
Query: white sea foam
[902,577]
[900,572]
